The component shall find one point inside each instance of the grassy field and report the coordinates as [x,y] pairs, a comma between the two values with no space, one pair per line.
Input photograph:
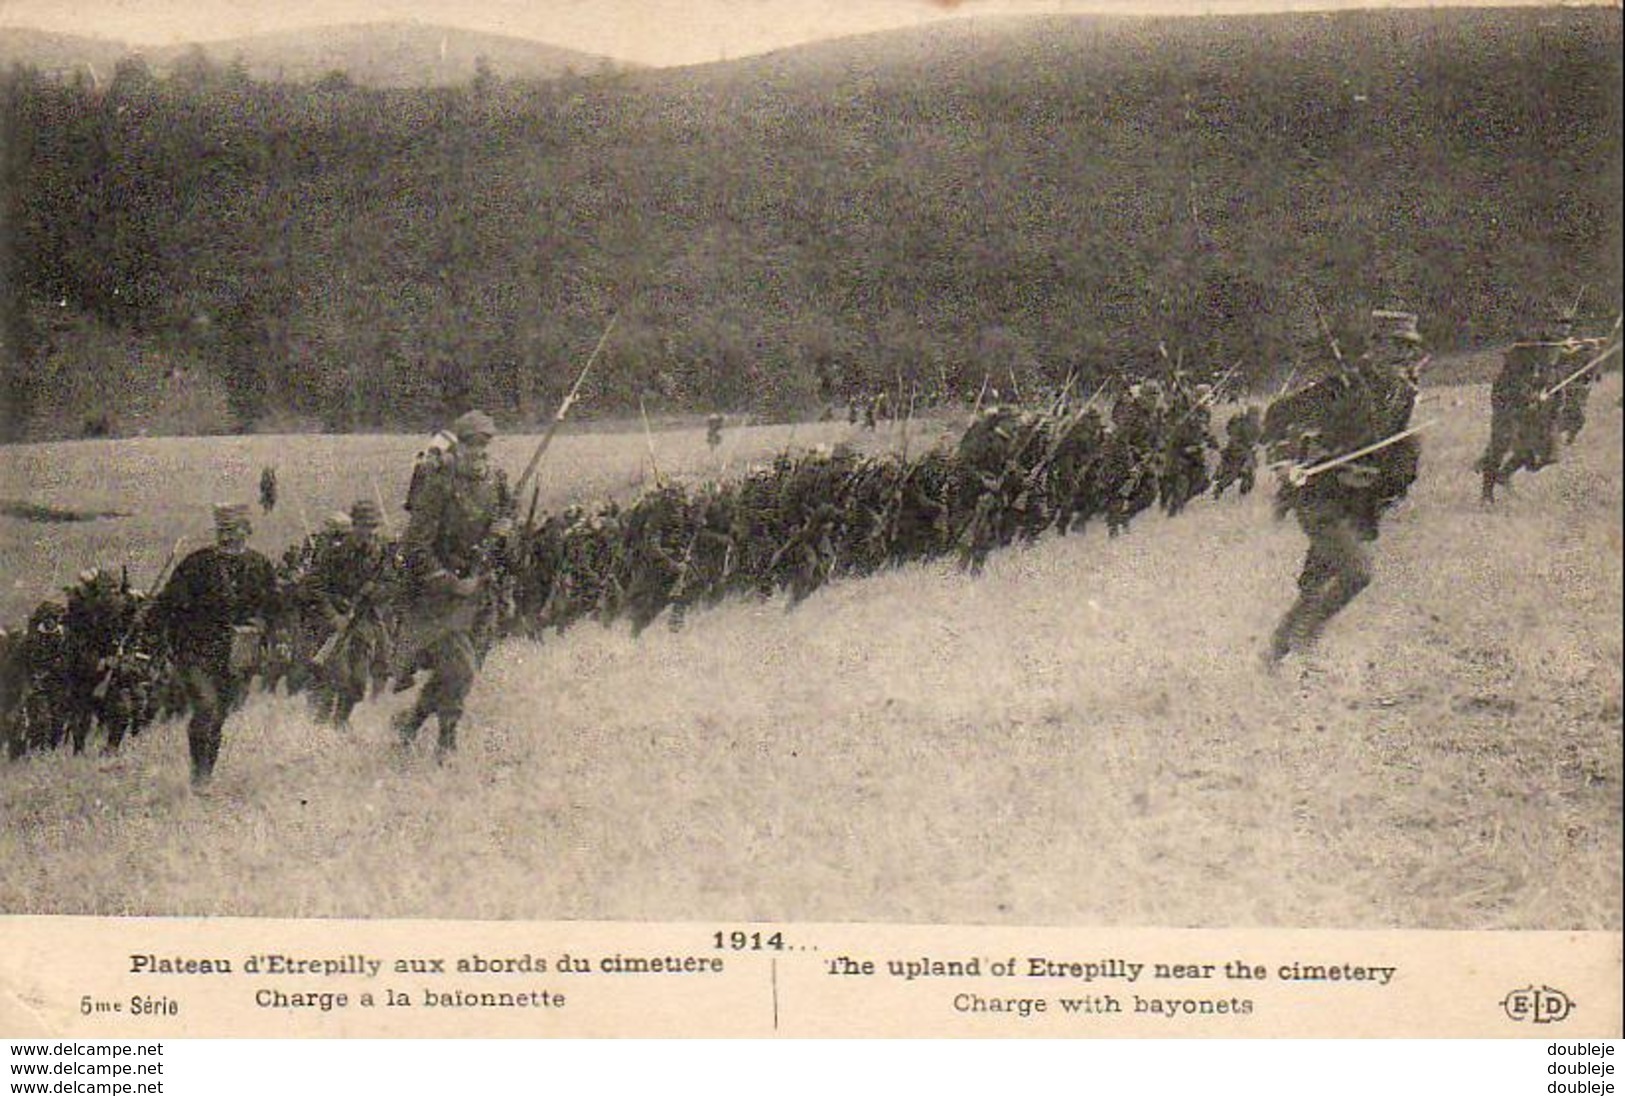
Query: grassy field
[1081,735]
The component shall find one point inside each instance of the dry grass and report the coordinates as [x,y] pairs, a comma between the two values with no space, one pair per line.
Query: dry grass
[1081,735]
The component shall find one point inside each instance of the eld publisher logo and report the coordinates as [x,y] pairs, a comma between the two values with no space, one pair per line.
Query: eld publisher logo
[1544,1005]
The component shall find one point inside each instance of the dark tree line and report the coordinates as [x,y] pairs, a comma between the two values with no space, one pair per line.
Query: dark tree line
[1056,203]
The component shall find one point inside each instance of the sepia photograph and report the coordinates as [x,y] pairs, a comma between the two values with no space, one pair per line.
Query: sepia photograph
[898,462]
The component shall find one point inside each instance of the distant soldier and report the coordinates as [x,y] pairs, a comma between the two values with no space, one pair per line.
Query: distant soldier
[1238,460]
[1571,389]
[1523,419]
[13,686]
[429,460]
[1129,457]
[713,430]
[1571,405]
[458,506]
[100,619]
[213,611]
[1185,437]
[268,489]
[1338,501]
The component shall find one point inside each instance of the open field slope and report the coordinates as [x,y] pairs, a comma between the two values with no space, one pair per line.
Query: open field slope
[1015,199]
[1081,735]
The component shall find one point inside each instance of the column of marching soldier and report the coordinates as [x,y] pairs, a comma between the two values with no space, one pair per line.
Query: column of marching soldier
[351,609]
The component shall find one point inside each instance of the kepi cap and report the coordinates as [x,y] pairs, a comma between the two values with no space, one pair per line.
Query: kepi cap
[474,424]
[366,515]
[1387,323]
[230,517]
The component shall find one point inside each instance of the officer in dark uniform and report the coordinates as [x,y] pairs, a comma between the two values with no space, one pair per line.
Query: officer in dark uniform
[212,612]
[1366,403]
[459,507]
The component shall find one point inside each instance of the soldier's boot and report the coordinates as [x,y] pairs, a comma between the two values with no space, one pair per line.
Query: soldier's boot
[202,772]
[446,747]
[1280,644]
[1297,631]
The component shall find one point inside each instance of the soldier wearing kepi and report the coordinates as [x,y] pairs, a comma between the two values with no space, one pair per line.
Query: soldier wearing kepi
[459,508]
[1364,408]
[346,582]
[212,612]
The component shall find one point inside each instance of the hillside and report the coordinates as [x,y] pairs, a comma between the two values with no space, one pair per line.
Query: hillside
[1081,736]
[1021,200]
[391,55]
[380,55]
[59,55]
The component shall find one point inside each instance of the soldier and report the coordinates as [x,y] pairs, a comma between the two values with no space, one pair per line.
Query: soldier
[268,488]
[428,461]
[713,430]
[13,685]
[212,612]
[1238,461]
[1129,461]
[1523,420]
[1366,403]
[1572,398]
[344,590]
[458,506]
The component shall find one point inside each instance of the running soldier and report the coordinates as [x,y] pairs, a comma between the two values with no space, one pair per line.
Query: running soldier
[212,612]
[1238,460]
[459,506]
[1339,502]
[1524,419]
[345,585]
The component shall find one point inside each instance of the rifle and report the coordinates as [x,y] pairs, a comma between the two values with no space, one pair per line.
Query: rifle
[649,442]
[106,681]
[1325,328]
[1578,373]
[1299,475]
[383,511]
[347,622]
[977,409]
[564,407]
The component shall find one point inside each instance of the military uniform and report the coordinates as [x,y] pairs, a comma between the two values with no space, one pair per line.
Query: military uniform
[1523,421]
[457,506]
[1571,402]
[268,489]
[1238,461]
[344,589]
[213,593]
[1339,509]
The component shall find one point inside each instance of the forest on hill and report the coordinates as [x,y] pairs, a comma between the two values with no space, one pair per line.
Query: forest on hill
[1027,200]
